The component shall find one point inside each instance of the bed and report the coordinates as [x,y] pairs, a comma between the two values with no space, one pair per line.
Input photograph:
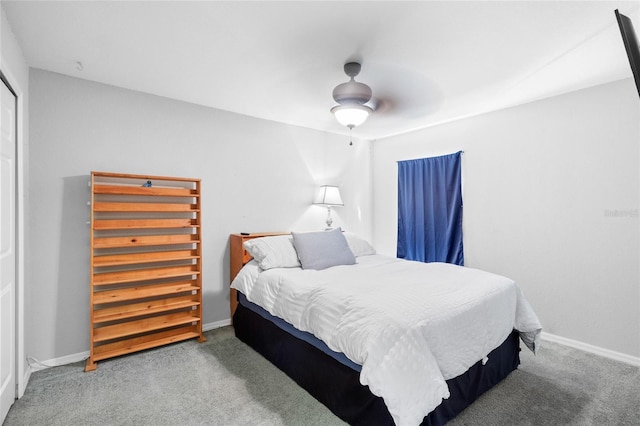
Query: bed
[378,340]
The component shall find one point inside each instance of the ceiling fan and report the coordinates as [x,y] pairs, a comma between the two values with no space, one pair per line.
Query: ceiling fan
[354,99]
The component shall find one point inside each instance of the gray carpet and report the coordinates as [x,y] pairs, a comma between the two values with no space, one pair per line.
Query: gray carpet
[224,382]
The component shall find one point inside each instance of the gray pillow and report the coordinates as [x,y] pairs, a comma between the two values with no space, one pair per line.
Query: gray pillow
[322,250]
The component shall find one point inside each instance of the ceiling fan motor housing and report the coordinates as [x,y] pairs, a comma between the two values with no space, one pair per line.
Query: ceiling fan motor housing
[352,92]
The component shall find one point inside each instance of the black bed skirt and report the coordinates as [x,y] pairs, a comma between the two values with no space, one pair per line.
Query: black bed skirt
[338,387]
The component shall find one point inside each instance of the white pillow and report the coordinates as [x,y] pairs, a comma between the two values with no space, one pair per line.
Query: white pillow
[273,252]
[322,250]
[358,245]
[247,277]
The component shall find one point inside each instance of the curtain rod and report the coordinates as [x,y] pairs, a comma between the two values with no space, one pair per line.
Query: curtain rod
[461,152]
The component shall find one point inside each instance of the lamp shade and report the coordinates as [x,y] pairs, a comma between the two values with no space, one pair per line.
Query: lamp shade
[351,115]
[328,195]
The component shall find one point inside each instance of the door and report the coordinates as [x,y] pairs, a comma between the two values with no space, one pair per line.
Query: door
[8,142]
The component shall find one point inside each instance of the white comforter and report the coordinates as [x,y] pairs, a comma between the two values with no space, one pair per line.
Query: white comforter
[410,325]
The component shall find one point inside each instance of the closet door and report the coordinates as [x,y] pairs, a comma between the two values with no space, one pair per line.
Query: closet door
[7,247]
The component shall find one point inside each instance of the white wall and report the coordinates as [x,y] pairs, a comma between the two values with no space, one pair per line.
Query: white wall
[256,176]
[543,183]
[551,198]
[14,67]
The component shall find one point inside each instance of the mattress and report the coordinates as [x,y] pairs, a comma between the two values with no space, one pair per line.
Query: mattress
[301,335]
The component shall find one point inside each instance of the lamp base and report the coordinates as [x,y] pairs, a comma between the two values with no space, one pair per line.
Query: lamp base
[329,221]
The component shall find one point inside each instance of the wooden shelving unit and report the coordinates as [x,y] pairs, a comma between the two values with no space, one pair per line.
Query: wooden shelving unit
[146,263]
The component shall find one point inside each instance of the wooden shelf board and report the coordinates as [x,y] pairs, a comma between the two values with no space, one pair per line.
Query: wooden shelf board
[132,328]
[127,346]
[143,292]
[143,177]
[145,308]
[144,241]
[104,206]
[161,191]
[149,274]
[146,257]
[115,224]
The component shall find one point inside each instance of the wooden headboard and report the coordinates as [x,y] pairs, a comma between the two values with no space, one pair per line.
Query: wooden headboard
[239,257]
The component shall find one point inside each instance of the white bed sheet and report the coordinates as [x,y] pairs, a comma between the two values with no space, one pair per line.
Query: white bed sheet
[410,325]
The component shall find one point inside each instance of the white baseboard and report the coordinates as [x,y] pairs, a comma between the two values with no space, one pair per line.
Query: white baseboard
[618,356]
[35,365]
[607,353]
[213,325]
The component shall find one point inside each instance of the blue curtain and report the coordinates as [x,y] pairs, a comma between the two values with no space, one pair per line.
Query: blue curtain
[430,209]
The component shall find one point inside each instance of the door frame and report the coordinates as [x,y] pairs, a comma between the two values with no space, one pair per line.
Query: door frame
[22,374]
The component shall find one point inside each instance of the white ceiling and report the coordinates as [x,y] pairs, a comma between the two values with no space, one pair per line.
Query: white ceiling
[427,61]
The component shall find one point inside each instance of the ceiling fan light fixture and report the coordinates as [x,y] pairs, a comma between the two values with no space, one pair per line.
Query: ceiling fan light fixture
[351,97]
[351,115]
